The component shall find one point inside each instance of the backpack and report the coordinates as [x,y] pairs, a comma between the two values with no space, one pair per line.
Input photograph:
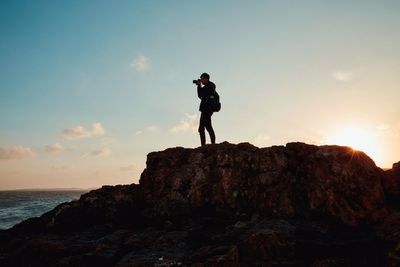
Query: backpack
[215,104]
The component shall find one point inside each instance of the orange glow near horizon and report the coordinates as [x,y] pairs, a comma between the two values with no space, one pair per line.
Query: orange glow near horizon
[358,139]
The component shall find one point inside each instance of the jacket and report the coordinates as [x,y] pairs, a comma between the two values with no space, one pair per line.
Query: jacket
[204,94]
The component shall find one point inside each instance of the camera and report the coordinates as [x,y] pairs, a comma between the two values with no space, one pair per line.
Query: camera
[196,81]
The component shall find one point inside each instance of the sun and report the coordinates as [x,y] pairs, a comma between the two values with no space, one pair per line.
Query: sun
[358,139]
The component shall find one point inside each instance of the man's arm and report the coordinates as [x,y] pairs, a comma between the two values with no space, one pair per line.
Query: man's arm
[209,89]
[205,91]
[199,91]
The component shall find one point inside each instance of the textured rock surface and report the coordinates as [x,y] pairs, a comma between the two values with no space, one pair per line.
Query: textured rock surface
[225,205]
[298,180]
[391,182]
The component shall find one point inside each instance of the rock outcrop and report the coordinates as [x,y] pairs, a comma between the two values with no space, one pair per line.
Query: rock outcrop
[296,181]
[391,182]
[225,205]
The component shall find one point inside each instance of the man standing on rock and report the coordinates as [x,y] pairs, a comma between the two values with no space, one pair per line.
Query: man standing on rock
[205,89]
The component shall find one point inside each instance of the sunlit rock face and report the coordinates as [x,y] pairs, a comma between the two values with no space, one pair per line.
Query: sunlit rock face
[225,205]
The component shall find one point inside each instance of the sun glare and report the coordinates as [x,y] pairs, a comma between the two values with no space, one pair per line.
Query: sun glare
[358,139]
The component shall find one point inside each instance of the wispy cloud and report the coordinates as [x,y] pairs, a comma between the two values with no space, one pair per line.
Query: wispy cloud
[97,129]
[190,122]
[261,140]
[101,152]
[78,132]
[149,129]
[130,167]
[55,148]
[140,64]
[342,76]
[16,152]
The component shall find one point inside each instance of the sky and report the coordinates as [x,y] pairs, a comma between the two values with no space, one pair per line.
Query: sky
[89,88]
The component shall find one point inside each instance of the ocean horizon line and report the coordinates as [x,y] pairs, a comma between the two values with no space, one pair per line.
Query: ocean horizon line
[51,189]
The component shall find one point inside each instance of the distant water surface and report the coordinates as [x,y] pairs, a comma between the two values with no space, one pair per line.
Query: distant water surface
[16,206]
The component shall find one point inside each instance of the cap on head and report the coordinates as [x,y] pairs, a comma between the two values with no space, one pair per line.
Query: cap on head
[205,75]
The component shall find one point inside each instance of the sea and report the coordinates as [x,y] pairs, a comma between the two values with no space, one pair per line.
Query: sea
[19,205]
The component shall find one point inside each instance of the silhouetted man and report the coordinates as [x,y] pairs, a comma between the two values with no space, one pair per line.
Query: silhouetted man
[204,92]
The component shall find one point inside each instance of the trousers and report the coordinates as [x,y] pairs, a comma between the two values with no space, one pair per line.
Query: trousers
[205,123]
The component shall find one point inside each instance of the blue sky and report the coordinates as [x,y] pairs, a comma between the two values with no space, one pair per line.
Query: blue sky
[88,88]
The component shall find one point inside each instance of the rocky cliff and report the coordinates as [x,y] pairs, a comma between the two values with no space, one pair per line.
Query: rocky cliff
[226,205]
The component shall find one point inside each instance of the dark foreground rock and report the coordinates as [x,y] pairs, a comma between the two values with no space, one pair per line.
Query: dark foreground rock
[225,205]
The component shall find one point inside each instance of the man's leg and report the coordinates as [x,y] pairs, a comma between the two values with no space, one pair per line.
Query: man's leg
[202,130]
[209,127]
